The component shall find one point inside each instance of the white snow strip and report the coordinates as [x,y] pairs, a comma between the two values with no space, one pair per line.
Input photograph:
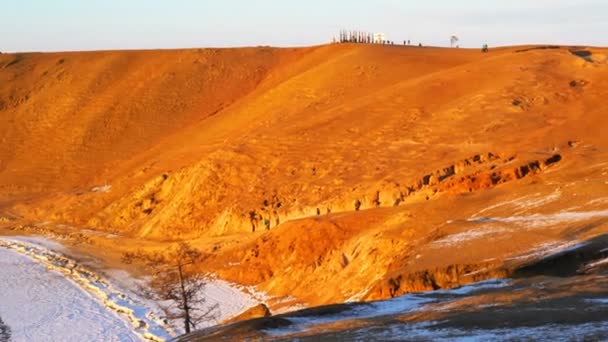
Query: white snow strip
[482,285]
[597,263]
[289,308]
[550,248]
[532,203]
[502,204]
[357,296]
[601,200]
[475,272]
[103,188]
[536,220]
[468,235]
[40,241]
[521,204]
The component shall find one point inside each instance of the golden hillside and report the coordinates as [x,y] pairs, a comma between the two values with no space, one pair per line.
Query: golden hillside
[362,160]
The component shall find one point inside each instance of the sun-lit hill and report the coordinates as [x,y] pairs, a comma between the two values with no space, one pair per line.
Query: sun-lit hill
[365,162]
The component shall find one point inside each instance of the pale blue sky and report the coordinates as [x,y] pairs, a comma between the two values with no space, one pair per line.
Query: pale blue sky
[55,25]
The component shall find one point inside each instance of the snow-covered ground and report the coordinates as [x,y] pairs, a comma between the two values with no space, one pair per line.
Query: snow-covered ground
[547,249]
[542,220]
[41,305]
[381,320]
[114,310]
[424,332]
[368,311]
[474,234]
[523,204]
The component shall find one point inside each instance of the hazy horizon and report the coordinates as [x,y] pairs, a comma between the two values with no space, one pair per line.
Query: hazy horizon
[63,25]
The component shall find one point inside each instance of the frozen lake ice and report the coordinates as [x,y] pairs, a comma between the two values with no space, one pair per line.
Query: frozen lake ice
[42,305]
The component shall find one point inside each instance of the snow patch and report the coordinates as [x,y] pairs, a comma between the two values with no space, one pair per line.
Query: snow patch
[400,305]
[232,299]
[357,296]
[601,200]
[290,308]
[548,249]
[542,220]
[468,235]
[595,264]
[524,203]
[482,285]
[426,332]
[102,189]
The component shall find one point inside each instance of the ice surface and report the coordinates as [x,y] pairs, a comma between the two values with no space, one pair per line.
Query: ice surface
[41,305]
[134,314]
[600,301]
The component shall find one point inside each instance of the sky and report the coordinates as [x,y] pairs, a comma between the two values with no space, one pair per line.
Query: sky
[60,25]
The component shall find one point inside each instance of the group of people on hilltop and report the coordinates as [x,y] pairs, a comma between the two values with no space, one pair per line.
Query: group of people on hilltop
[407,43]
[361,37]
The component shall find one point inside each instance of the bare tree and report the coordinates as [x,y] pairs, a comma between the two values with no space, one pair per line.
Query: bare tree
[5,331]
[453,40]
[175,280]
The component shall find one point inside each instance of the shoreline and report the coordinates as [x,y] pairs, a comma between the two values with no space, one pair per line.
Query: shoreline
[143,321]
[114,287]
[38,303]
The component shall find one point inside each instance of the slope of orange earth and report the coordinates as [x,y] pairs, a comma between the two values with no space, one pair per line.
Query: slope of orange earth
[366,162]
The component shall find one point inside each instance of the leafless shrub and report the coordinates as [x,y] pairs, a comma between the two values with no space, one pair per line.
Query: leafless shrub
[176,285]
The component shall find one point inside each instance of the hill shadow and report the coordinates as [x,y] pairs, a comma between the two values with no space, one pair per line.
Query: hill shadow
[584,54]
[566,263]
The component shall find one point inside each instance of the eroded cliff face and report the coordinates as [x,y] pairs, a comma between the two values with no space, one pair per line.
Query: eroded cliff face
[371,171]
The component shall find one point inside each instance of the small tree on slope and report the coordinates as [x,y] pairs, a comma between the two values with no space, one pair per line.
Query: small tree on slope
[453,40]
[176,285]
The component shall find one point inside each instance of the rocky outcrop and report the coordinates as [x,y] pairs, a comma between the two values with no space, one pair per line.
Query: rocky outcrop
[258,311]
